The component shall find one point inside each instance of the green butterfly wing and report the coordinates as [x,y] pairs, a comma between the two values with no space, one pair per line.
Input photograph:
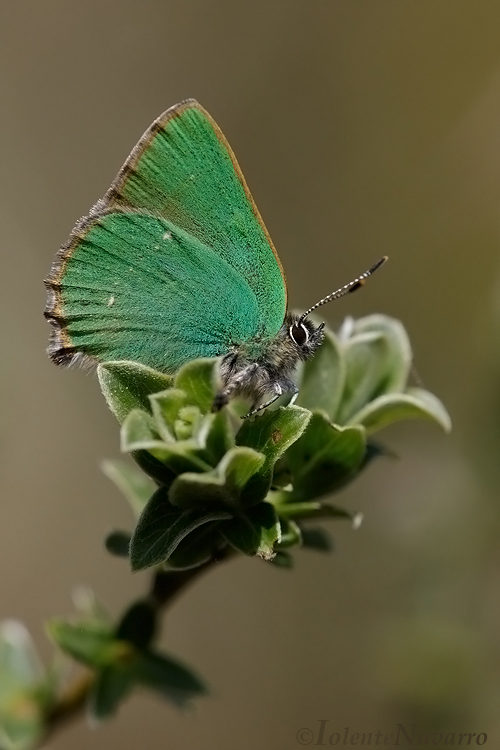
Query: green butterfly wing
[174,262]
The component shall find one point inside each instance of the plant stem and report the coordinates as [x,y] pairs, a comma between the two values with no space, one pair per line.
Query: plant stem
[166,585]
[70,704]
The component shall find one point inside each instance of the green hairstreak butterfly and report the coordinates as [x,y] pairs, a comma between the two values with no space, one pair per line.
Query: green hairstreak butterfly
[175,263]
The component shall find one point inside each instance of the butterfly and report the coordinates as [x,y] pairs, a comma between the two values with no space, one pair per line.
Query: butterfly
[175,263]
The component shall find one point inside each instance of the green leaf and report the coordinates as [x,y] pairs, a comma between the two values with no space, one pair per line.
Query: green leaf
[222,486]
[216,435]
[317,539]
[188,424]
[89,608]
[154,468]
[21,723]
[415,403]
[138,433]
[274,431]
[298,511]
[18,657]
[162,527]
[401,354]
[117,543]
[254,532]
[325,458]
[197,548]
[291,534]
[25,690]
[111,686]
[90,643]
[155,671]
[283,559]
[376,450]
[127,385]
[168,677]
[281,475]
[213,434]
[323,378]
[378,357]
[197,379]
[138,624]
[165,407]
[271,434]
[136,487]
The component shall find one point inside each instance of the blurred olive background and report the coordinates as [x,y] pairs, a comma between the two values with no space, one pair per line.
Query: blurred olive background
[363,128]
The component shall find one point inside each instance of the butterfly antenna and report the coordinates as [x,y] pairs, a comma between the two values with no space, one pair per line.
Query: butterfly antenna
[347,289]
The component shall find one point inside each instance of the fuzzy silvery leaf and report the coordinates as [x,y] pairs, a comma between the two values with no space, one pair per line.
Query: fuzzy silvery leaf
[377,356]
[271,434]
[165,407]
[324,458]
[414,403]
[197,380]
[127,385]
[221,487]
[138,433]
[323,376]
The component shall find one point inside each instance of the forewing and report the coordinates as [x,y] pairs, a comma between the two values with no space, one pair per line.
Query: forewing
[137,287]
[184,170]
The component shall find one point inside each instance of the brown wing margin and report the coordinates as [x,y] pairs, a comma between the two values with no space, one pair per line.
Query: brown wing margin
[60,349]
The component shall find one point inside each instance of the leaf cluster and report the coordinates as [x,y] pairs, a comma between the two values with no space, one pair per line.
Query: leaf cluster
[204,486]
[217,481]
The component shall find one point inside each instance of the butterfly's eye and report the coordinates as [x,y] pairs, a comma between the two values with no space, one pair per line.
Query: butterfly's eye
[299,334]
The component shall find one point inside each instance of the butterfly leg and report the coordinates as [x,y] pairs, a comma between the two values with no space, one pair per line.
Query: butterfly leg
[285,386]
[290,387]
[255,410]
[235,383]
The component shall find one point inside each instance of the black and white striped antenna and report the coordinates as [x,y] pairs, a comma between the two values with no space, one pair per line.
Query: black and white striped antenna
[350,287]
